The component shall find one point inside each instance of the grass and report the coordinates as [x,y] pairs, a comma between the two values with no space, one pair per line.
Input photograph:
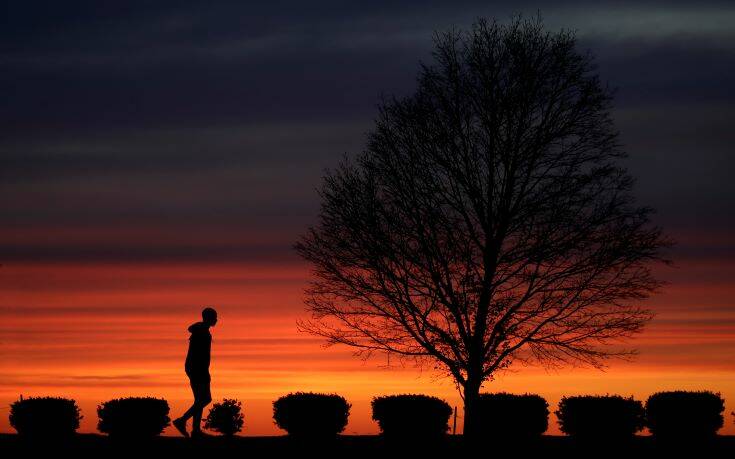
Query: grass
[365,446]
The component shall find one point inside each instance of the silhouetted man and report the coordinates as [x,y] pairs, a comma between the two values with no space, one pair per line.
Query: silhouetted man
[197,369]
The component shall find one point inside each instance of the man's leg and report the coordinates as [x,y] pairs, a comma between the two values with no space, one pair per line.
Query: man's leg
[196,423]
[180,423]
[202,397]
[191,412]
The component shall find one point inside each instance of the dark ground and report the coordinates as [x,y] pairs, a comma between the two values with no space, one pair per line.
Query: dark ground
[97,446]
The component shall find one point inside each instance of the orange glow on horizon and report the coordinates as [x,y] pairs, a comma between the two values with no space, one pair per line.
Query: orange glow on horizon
[99,331]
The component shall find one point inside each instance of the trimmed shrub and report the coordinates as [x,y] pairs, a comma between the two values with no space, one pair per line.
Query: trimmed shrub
[225,418]
[513,415]
[600,416]
[133,417]
[411,415]
[685,414]
[45,416]
[306,414]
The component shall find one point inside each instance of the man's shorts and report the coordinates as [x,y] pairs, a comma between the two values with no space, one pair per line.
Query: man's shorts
[200,387]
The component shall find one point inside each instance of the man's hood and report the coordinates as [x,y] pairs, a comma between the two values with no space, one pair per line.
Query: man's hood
[198,327]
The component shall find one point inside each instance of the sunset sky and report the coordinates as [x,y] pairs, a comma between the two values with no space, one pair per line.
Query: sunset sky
[157,157]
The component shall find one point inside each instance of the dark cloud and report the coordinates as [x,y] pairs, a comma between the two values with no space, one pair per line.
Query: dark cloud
[136,254]
[169,113]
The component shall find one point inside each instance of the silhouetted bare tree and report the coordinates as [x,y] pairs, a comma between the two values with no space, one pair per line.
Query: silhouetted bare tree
[488,220]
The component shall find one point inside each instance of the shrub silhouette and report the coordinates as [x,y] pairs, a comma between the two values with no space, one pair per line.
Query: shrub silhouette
[133,417]
[225,418]
[503,414]
[411,415]
[45,416]
[600,416]
[305,414]
[684,414]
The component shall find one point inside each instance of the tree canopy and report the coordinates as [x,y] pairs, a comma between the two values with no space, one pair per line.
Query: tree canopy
[489,219]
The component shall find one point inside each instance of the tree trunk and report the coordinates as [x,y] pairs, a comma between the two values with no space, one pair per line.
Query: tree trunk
[472,418]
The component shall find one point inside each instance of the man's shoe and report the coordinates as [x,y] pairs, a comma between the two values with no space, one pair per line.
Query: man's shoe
[180,425]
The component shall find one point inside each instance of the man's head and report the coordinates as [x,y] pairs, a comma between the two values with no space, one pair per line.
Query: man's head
[209,316]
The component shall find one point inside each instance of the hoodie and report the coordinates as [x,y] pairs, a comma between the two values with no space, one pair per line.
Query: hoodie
[200,344]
